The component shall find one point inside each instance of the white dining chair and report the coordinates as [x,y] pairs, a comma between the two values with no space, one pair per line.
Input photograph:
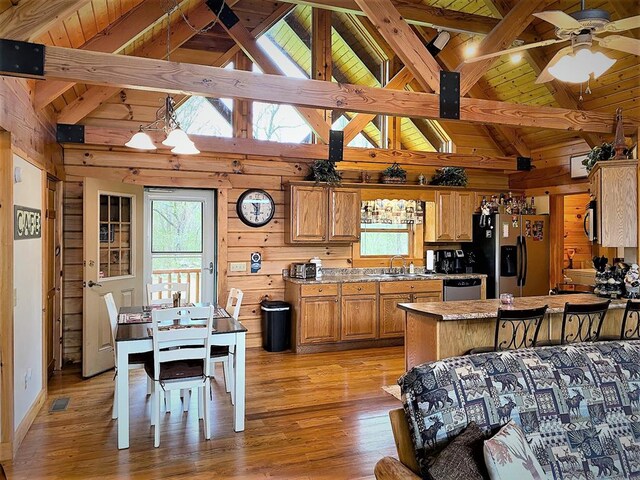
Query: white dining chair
[181,358]
[167,288]
[135,361]
[223,353]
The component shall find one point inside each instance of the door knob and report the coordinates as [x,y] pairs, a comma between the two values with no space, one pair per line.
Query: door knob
[93,284]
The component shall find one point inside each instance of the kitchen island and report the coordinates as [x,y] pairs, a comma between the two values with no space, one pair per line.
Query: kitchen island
[437,330]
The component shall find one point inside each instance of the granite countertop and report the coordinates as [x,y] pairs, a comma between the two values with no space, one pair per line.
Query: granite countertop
[478,309]
[351,275]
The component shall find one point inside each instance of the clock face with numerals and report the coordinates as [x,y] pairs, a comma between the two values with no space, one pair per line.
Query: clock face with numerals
[255,208]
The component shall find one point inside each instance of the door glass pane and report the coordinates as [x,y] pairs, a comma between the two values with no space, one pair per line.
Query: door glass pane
[176,244]
[115,236]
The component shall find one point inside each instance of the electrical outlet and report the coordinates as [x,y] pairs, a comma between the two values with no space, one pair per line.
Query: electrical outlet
[238,267]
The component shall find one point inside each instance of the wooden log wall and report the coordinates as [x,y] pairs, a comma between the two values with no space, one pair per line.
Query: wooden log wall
[574,238]
[72,268]
[243,172]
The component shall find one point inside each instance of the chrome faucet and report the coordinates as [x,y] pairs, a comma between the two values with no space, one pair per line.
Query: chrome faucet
[404,263]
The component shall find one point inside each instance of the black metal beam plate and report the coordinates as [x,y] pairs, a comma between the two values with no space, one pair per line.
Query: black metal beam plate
[336,141]
[524,163]
[21,59]
[450,95]
[66,133]
[223,12]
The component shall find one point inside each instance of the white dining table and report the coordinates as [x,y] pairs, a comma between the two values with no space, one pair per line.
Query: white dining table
[133,336]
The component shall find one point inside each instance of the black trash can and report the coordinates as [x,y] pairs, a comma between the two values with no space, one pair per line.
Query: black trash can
[276,325]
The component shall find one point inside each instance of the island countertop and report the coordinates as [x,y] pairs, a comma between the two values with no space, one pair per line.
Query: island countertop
[482,309]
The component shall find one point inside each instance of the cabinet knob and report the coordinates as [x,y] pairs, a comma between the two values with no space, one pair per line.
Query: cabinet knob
[412,286]
[324,236]
[319,289]
[359,288]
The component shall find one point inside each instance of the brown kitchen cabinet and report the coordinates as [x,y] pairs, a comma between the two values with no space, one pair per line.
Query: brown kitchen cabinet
[321,214]
[392,293]
[319,320]
[359,315]
[454,216]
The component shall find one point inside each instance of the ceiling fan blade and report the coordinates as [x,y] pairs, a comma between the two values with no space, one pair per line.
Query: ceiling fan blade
[514,50]
[623,24]
[545,76]
[618,42]
[559,19]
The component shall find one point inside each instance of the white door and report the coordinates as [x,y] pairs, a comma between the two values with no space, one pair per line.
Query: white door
[180,240]
[112,217]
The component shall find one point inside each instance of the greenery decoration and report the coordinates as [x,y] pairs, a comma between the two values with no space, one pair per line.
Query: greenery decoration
[450,176]
[324,171]
[600,153]
[395,171]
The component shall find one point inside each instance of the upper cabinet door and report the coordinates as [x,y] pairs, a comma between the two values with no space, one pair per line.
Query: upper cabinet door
[445,217]
[344,215]
[464,216]
[308,214]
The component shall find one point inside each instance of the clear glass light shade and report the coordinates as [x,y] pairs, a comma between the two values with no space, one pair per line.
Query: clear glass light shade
[576,68]
[176,137]
[141,141]
[185,148]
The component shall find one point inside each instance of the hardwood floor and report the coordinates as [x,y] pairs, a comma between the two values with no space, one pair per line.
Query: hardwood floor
[313,416]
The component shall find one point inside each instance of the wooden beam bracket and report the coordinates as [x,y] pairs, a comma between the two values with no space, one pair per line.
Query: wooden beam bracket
[220,9]
[69,133]
[450,95]
[21,59]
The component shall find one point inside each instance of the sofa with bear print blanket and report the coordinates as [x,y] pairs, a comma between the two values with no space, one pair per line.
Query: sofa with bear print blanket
[578,405]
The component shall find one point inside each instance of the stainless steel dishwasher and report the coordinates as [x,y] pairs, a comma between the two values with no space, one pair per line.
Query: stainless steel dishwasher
[467,289]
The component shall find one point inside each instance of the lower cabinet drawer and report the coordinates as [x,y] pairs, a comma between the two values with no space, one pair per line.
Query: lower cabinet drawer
[411,286]
[319,290]
[360,288]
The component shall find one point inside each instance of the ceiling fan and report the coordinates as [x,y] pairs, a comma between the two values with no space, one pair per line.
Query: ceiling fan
[576,62]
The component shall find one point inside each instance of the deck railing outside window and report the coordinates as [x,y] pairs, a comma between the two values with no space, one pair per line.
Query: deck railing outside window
[190,276]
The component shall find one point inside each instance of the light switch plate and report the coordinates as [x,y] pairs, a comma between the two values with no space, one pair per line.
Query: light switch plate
[238,267]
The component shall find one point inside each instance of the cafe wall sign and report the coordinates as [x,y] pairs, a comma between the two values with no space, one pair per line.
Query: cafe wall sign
[26,223]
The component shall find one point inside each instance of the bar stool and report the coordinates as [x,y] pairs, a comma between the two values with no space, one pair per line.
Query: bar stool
[582,322]
[631,314]
[519,329]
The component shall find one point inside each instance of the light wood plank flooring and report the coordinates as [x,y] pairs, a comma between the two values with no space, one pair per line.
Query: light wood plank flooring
[314,416]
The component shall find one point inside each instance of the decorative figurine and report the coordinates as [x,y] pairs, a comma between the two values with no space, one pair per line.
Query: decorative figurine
[421,179]
[632,281]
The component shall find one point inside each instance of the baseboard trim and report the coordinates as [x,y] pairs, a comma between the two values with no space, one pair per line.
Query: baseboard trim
[27,421]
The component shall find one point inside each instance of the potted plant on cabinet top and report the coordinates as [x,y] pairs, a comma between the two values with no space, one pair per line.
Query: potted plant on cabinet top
[394,174]
[450,176]
[601,153]
[324,171]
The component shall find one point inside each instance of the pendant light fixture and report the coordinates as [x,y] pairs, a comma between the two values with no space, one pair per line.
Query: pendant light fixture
[166,121]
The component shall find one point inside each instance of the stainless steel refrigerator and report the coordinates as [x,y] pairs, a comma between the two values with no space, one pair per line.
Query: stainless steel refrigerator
[513,250]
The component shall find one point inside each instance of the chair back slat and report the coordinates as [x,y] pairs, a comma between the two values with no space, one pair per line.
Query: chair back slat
[182,333]
[169,288]
[518,328]
[631,321]
[583,322]
[112,310]
[234,302]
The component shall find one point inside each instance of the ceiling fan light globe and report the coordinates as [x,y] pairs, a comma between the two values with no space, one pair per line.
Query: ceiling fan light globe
[185,149]
[600,63]
[176,137]
[141,141]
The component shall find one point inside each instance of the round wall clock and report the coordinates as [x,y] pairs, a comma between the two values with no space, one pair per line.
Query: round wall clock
[255,208]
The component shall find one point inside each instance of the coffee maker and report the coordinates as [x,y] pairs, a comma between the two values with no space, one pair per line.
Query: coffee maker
[450,261]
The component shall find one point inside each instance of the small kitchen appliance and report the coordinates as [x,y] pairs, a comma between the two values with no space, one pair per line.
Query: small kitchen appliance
[302,270]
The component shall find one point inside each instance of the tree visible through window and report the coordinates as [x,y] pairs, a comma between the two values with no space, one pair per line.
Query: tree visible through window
[176,234]
[382,239]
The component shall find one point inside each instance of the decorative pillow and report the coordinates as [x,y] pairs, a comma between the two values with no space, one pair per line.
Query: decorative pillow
[462,459]
[508,455]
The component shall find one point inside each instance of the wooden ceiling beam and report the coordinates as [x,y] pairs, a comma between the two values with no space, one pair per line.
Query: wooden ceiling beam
[417,13]
[179,78]
[361,120]
[501,37]
[405,43]
[249,45]
[112,39]
[294,152]
[199,17]
[29,19]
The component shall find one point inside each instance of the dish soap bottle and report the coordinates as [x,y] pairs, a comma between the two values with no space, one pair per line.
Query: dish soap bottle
[412,268]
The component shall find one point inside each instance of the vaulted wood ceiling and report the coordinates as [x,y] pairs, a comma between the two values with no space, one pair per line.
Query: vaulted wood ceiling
[138,27]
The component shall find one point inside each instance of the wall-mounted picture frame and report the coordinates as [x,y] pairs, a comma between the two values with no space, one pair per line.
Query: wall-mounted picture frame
[578,170]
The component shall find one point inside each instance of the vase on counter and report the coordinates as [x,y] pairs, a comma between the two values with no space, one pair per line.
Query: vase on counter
[318,264]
